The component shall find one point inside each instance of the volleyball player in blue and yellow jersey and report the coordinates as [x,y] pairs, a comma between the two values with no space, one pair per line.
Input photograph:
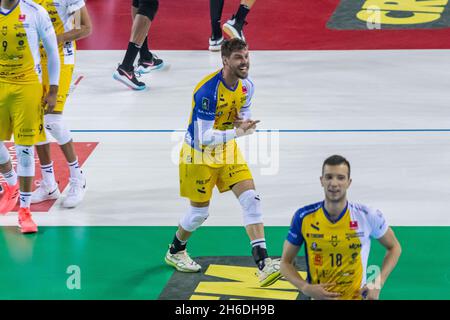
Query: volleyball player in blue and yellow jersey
[23,25]
[336,236]
[210,157]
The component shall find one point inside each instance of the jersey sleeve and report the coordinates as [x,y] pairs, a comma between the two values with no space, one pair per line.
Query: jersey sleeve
[377,223]
[44,25]
[245,111]
[205,102]
[48,36]
[295,236]
[74,5]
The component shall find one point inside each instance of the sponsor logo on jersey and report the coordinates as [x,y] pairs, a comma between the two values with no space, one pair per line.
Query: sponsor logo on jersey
[360,234]
[22,17]
[353,225]
[205,103]
[318,260]
[355,246]
[334,240]
[315,235]
[354,256]
[315,247]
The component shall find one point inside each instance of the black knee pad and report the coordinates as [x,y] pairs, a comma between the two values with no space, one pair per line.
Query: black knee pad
[147,8]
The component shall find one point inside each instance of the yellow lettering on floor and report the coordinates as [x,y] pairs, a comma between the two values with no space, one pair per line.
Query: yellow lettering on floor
[420,11]
[245,284]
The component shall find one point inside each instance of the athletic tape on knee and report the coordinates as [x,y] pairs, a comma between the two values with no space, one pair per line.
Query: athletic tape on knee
[25,161]
[251,207]
[56,127]
[194,218]
[148,8]
[4,154]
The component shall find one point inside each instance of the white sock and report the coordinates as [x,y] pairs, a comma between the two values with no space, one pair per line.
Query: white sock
[10,177]
[259,242]
[25,199]
[75,170]
[48,174]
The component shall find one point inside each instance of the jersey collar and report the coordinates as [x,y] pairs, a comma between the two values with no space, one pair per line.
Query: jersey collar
[327,215]
[11,10]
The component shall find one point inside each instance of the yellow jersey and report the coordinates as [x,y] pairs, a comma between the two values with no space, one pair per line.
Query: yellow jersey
[213,101]
[337,252]
[21,29]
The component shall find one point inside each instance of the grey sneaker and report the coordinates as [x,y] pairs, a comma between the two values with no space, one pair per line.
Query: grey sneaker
[182,261]
[271,272]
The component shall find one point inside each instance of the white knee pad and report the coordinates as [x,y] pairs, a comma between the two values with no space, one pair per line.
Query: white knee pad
[194,218]
[4,154]
[25,161]
[56,127]
[251,207]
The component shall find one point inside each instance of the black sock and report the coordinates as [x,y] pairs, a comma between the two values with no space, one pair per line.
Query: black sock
[130,56]
[259,254]
[215,11]
[177,245]
[241,14]
[144,53]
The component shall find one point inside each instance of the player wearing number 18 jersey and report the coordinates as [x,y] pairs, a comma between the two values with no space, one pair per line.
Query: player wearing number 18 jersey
[336,236]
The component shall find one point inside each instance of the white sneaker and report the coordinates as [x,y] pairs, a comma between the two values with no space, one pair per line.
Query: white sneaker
[77,189]
[215,45]
[182,261]
[45,192]
[271,272]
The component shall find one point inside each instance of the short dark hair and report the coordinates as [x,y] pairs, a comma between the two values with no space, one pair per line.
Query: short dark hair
[336,160]
[229,46]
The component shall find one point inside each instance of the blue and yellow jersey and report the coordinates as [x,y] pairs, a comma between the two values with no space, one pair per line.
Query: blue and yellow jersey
[20,31]
[62,16]
[337,252]
[214,101]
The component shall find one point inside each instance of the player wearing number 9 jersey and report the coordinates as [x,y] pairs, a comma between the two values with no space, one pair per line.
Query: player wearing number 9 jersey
[336,236]
[23,25]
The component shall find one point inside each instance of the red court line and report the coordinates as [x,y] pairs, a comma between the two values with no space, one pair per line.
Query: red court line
[83,150]
[78,80]
[273,25]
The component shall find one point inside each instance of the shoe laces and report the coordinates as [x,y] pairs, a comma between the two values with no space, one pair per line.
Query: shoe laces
[74,185]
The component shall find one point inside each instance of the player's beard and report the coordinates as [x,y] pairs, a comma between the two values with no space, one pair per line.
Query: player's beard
[241,74]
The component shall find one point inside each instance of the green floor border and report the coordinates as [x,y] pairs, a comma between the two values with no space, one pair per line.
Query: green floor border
[127,262]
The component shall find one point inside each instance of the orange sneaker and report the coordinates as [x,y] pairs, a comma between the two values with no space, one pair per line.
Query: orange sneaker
[26,224]
[9,196]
